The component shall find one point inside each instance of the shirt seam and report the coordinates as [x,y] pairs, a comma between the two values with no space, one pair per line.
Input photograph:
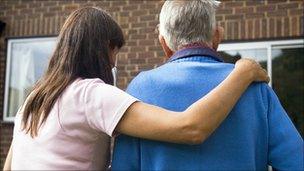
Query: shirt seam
[85,109]
[120,112]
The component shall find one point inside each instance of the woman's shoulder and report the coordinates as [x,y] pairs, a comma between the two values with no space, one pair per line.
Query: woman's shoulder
[87,81]
[81,84]
[77,90]
[91,88]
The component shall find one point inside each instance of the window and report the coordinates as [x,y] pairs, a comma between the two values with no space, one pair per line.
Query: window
[27,59]
[284,61]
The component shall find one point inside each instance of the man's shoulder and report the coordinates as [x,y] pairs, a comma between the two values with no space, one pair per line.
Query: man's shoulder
[149,81]
[259,93]
[172,67]
[142,80]
[145,78]
[172,72]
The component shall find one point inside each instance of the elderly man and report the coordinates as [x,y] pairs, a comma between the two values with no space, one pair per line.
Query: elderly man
[257,132]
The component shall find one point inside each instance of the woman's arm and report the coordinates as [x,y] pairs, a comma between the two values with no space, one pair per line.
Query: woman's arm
[198,121]
[8,161]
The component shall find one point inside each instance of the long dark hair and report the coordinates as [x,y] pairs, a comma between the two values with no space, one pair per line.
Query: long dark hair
[82,51]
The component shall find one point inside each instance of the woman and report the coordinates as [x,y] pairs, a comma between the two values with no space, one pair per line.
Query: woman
[67,119]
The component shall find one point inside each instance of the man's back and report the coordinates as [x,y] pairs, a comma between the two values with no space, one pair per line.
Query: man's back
[256,133]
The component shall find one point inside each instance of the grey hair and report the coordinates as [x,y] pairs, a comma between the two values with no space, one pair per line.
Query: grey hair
[187,21]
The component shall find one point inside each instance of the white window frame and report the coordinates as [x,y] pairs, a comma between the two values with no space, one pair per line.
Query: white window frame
[6,118]
[268,45]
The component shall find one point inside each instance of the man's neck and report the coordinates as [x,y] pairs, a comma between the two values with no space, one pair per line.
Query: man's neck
[195,44]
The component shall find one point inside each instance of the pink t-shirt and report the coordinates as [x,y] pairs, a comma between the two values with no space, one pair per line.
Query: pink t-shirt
[76,134]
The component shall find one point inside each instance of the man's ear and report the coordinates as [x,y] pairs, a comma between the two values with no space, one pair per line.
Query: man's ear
[166,49]
[217,37]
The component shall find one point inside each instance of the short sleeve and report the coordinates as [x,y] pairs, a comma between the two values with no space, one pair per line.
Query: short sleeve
[105,105]
[285,143]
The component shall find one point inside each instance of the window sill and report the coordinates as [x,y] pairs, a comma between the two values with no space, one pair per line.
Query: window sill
[7,122]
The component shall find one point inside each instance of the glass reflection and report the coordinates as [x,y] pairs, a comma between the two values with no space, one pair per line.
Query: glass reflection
[288,82]
[28,62]
[231,56]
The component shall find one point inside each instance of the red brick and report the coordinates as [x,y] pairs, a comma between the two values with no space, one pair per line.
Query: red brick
[224,11]
[254,3]
[271,27]
[146,54]
[147,30]
[148,6]
[26,11]
[276,1]
[288,6]
[279,25]
[298,12]
[234,17]
[63,2]
[294,26]
[147,18]
[243,29]
[153,23]
[277,14]
[145,67]
[130,7]
[153,36]
[250,29]
[286,26]
[34,4]
[39,10]
[134,73]
[55,8]
[302,26]
[219,17]
[138,36]
[138,61]
[1,13]
[234,4]
[71,7]
[244,10]
[139,25]
[20,6]
[139,12]
[131,43]
[155,60]
[155,11]
[146,42]
[266,8]
[254,15]
[257,28]
[118,3]
[136,49]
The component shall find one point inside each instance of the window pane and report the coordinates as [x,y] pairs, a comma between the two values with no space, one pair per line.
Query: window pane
[288,83]
[28,61]
[259,55]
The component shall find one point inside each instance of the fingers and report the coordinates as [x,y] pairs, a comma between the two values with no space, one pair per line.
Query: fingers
[261,73]
[252,66]
[264,75]
[267,76]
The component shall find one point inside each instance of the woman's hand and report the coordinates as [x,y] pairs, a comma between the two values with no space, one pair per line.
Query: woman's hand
[251,69]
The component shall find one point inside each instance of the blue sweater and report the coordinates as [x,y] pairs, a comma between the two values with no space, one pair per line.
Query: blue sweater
[257,132]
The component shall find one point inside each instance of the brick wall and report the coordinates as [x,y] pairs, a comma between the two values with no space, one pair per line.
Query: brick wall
[242,20]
